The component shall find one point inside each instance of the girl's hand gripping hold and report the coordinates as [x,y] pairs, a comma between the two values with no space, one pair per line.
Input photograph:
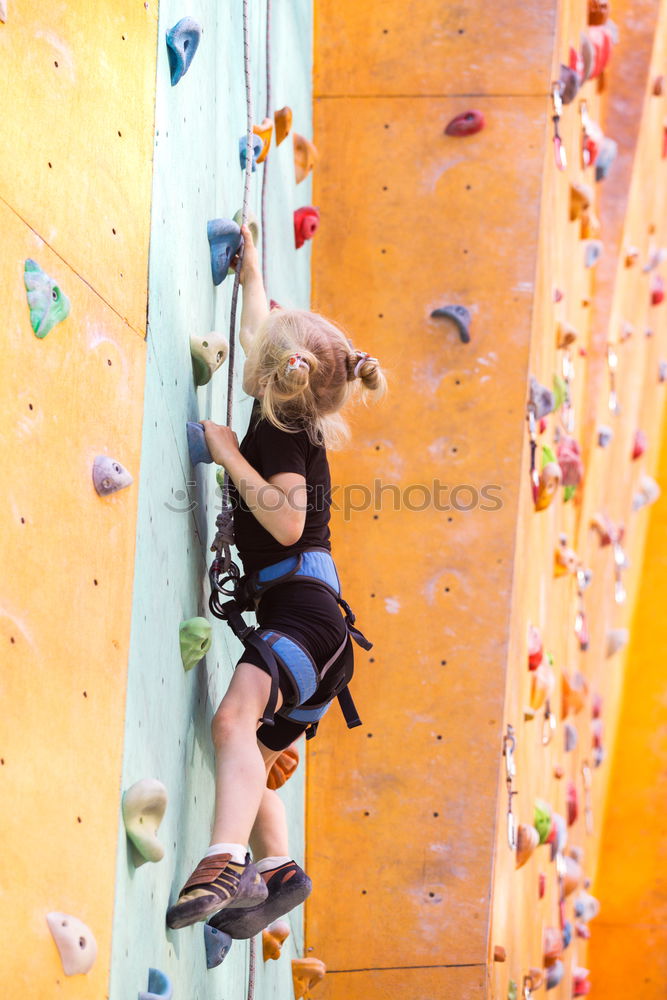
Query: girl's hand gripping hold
[222,442]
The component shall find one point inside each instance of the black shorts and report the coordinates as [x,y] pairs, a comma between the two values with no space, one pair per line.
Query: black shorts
[310,614]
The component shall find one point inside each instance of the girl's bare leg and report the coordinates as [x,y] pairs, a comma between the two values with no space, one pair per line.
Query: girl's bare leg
[240,772]
[269,833]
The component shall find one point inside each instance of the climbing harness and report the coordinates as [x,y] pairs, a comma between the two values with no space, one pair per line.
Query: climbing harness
[282,655]
[231,594]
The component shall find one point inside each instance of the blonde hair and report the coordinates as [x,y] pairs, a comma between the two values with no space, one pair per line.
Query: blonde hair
[307,370]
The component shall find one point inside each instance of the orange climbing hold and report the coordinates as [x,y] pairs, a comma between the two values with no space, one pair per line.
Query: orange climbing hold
[283,768]
[306,974]
[283,122]
[305,157]
[264,130]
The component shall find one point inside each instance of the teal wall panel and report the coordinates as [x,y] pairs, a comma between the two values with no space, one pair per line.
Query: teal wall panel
[168,712]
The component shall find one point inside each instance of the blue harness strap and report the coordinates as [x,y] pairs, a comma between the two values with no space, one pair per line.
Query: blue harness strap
[282,654]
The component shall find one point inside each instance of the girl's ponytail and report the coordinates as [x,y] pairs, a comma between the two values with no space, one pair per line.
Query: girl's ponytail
[361,365]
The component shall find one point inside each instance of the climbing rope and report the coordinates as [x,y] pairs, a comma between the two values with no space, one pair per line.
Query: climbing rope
[223,564]
[269,105]
[251,969]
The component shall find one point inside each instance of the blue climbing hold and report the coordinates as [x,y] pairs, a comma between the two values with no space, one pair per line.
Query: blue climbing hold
[159,986]
[460,317]
[197,444]
[567,933]
[182,43]
[257,147]
[224,238]
[217,946]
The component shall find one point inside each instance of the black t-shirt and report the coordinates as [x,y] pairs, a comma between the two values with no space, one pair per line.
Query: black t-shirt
[270,451]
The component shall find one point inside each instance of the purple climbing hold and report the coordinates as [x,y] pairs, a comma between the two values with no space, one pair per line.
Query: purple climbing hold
[224,237]
[555,973]
[109,475]
[257,147]
[466,123]
[460,317]
[182,42]
[197,446]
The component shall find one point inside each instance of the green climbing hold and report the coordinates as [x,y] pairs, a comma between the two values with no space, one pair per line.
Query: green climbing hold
[512,990]
[252,222]
[195,636]
[561,392]
[48,304]
[542,821]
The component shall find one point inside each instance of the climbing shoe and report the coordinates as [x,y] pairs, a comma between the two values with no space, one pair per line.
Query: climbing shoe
[287,886]
[215,883]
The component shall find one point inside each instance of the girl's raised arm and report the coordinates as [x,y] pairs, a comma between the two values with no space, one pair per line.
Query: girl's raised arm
[255,307]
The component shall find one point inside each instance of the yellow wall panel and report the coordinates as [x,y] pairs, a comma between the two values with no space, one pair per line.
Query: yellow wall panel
[68,557]
[75,162]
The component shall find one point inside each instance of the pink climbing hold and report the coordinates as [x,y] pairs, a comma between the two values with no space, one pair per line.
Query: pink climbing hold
[466,123]
[639,445]
[306,222]
[568,454]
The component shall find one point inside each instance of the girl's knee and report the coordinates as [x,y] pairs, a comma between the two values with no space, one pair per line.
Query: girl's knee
[231,720]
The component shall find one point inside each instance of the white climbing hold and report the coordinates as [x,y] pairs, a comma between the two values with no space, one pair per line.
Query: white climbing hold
[208,353]
[75,942]
[648,493]
[109,475]
[617,638]
[144,804]
[3,11]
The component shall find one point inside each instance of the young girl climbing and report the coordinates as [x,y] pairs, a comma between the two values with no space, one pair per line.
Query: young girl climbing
[301,369]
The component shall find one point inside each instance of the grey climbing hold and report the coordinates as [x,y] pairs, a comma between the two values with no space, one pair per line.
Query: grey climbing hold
[48,304]
[207,353]
[197,446]
[159,986]
[144,805]
[605,434]
[541,401]
[592,252]
[662,371]
[460,317]
[182,42]
[217,946]
[605,158]
[75,942]
[648,493]
[195,637]
[570,736]
[109,476]
[568,84]
[257,146]
[224,237]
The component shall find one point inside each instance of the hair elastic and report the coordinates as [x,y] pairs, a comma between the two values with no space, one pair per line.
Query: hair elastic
[296,361]
[362,360]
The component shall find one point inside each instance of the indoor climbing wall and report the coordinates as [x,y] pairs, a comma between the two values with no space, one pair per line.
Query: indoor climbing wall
[111,141]
[197,177]
[474,796]
[75,183]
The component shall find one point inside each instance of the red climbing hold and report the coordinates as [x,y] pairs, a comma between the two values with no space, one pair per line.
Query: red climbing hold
[535,647]
[466,123]
[306,221]
[571,803]
[601,39]
[657,290]
[639,444]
